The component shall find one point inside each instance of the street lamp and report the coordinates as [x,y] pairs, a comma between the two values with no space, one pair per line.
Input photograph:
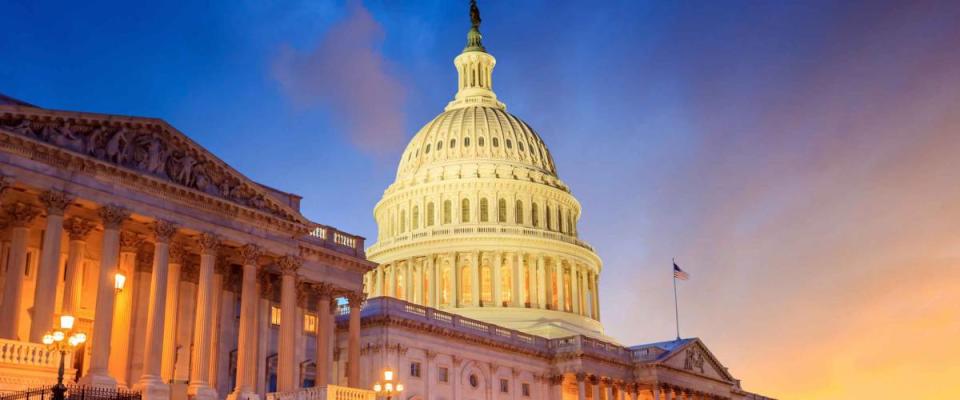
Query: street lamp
[388,388]
[55,342]
[118,281]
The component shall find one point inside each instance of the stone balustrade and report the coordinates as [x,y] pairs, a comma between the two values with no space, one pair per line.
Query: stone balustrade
[335,239]
[472,230]
[26,364]
[329,392]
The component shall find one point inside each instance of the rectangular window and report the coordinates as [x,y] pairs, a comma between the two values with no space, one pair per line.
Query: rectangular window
[309,323]
[504,386]
[443,374]
[525,389]
[274,315]
[415,369]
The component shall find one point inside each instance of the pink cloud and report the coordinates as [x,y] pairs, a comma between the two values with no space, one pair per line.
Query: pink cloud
[347,73]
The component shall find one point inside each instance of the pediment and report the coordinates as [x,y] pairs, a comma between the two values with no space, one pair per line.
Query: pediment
[694,357]
[148,146]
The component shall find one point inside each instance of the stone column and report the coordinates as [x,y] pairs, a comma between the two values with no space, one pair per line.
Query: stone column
[541,283]
[558,267]
[418,283]
[324,295]
[408,281]
[607,389]
[168,358]
[221,269]
[286,359]
[475,279]
[379,285]
[21,215]
[634,391]
[353,340]
[455,285]
[575,288]
[113,216]
[655,392]
[246,342]
[595,385]
[585,308]
[48,273]
[581,386]
[78,228]
[556,387]
[596,296]
[123,309]
[496,279]
[151,381]
[434,285]
[391,284]
[199,388]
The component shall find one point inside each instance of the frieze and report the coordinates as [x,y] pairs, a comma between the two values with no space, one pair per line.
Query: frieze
[148,148]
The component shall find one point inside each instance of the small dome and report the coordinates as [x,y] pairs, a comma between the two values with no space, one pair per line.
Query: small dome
[476,133]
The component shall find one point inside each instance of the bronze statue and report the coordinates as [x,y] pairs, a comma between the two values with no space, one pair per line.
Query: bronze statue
[474,14]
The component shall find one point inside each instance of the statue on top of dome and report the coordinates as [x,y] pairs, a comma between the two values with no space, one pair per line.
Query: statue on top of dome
[474,14]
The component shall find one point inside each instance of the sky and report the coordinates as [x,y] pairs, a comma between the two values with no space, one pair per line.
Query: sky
[800,159]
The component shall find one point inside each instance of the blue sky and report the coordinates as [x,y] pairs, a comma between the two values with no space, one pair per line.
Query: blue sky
[797,157]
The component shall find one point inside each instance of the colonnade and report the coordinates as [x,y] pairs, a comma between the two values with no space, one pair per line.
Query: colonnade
[110,342]
[490,279]
[595,387]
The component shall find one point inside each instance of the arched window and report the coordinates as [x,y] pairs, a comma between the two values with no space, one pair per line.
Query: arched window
[447,211]
[439,145]
[466,142]
[535,216]
[430,214]
[484,212]
[465,210]
[403,221]
[480,141]
[427,151]
[509,144]
[520,145]
[502,211]
[496,142]
[453,143]
[518,213]
[415,218]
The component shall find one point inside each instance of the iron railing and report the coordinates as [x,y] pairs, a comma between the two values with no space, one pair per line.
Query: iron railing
[74,392]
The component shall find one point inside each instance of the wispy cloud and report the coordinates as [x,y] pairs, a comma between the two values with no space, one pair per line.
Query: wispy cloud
[347,73]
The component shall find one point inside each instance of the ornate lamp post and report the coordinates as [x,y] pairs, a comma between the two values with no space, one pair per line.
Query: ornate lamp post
[388,388]
[55,342]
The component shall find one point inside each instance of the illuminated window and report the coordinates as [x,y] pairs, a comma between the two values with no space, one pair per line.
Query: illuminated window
[535,215]
[484,213]
[430,214]
[502,211]
[309,323]
[274,315]
[518,213]
[465,210]
[447,211]
[415,214]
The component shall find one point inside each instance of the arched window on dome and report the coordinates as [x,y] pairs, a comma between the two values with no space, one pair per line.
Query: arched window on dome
[466,142]
[535,216]
[484,210]
[439,145]
[403,221]
[496,142]
[509,144]
[447,212]
[520,145]
[518,213]
[453,143]
[480,141]
[430,214]
[415,218]
[502,211]
[427,151]
[464,211]
[549,219]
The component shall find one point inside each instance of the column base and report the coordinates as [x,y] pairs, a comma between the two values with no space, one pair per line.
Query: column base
[101,379]
[201,392]
[238,395]
[153,388]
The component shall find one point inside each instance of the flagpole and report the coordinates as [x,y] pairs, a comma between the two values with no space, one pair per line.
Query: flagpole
[676,306]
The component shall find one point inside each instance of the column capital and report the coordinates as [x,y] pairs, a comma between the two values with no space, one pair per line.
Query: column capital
[163,231]
[250,254]
[130,241]
[594,380]
[581,376]
[22,214]
[56,201]
[289,264]
[113,216]
[324,290]
[78,228]
[556,379]
[177,252]
[355,298]
[209,243]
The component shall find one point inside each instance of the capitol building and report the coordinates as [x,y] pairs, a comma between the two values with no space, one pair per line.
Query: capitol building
[136,262]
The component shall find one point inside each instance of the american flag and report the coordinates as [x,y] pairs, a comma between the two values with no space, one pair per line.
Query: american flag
[679,273]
